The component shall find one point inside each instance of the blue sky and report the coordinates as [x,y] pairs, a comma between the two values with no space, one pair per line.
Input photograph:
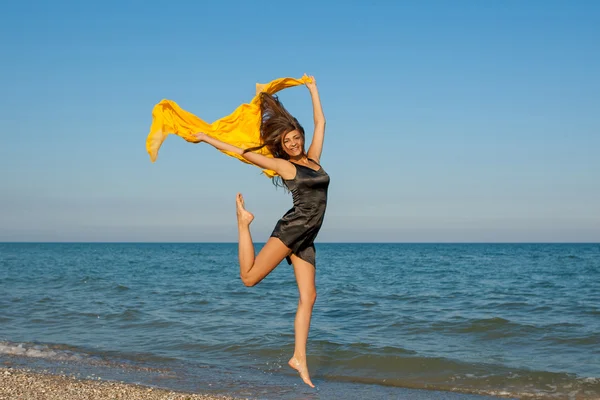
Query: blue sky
[446,121]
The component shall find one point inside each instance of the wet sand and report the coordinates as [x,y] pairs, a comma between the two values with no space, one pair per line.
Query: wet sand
[18,384]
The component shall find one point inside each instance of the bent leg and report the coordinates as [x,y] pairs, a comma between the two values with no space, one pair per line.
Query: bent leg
[253,270]
[269,257]
[305,277]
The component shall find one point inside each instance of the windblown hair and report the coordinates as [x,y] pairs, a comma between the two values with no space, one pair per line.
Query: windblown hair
[276,122]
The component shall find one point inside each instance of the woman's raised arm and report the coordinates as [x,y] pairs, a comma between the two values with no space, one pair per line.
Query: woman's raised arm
[316,146]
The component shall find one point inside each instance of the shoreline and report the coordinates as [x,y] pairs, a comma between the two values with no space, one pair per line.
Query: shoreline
[22,383]
[19,383]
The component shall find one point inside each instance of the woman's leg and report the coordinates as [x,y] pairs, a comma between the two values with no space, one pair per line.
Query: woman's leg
[305,277]
[253,270]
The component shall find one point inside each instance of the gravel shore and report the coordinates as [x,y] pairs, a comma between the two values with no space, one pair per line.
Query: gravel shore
[18,384]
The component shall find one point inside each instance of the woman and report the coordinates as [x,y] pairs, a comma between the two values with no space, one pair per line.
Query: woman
[293,236]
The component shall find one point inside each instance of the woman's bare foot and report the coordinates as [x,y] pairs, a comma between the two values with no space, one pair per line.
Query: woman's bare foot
[244,216]
[302,369]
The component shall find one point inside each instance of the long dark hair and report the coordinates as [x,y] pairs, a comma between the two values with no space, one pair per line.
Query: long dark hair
[276,122]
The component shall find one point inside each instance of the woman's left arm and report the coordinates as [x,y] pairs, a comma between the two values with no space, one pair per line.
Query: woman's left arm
[316,146]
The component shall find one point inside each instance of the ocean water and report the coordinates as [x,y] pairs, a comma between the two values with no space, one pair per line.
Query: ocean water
[391,320]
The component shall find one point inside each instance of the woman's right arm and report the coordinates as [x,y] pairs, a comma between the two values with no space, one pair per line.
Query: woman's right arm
[283,168]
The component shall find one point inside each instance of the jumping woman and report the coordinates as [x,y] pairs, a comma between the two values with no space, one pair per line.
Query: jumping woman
[293,237]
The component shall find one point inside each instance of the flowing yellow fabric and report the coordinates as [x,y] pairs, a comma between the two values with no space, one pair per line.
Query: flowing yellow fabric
[241,128]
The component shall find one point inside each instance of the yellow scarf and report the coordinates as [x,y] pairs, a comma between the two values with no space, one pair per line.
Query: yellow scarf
[241,128]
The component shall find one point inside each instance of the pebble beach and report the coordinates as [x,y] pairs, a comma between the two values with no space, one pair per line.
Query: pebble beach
[21,384]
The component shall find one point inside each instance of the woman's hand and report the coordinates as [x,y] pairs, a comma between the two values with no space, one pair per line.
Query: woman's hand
[199,136]
[312,85]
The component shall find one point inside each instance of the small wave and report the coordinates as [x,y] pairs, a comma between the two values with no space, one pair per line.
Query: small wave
[130,314]
[188,310]
[564,325]
[151,324]
[498,325]
[486,324]
[569,257]
[482,326]
[362,353]
[591,340]
[199,302]
[39,351]
[593,312]
[45,300]
[90,279]
[83,314]
[64,353]
[516,305]
[369,303]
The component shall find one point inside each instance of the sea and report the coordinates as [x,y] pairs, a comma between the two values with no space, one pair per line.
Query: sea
[391,321]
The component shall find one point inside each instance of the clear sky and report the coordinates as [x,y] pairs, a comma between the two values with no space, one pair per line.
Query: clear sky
[446,121]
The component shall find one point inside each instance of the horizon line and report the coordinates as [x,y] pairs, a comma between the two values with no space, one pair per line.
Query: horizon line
[259,242]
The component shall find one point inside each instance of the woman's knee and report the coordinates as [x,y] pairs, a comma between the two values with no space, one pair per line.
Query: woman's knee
[248,280]
[308,297]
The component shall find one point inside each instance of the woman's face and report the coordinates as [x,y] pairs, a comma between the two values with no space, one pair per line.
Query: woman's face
[293,144]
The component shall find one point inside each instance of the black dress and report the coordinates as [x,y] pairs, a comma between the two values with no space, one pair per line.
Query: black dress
[299,227]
